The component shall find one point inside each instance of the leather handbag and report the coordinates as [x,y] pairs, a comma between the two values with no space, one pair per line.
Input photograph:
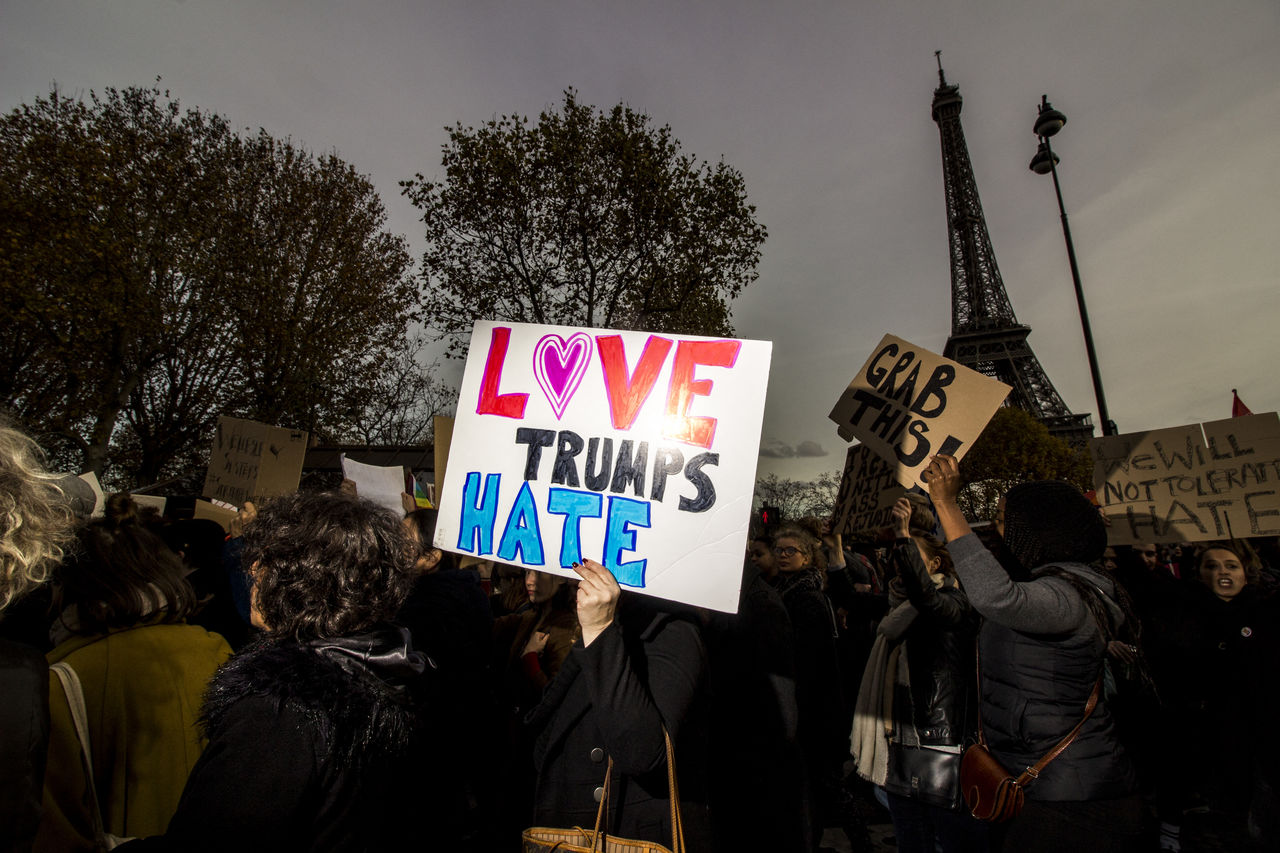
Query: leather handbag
[990,791]
[929,775]
[543,839]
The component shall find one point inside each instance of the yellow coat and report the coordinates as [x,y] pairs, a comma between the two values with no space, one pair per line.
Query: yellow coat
[143,688]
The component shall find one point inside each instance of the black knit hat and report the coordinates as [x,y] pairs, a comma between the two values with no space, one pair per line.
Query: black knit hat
[1051,522]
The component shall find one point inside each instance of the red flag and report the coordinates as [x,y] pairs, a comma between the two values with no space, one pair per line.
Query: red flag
[1238,409]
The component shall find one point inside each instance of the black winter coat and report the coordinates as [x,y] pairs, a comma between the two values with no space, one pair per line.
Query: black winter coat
[24,739]
[939,648]
[311,748]
[611,699]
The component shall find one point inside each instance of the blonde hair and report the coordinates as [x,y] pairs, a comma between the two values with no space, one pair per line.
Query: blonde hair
[35,518]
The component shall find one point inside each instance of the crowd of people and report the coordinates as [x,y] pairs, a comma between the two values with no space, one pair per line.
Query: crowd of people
[322,677]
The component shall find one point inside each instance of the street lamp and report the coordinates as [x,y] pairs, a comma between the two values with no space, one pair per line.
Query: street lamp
[1048,122]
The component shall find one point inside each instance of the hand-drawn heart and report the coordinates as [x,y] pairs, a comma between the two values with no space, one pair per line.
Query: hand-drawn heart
[559,366]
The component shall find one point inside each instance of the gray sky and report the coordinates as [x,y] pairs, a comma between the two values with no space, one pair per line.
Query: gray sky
[1173,106]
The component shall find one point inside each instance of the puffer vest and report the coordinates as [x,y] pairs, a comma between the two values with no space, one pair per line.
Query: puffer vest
[1034,691]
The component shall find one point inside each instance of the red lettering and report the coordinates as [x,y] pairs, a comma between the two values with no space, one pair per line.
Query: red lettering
[627,391]
[491,402]
[689,354]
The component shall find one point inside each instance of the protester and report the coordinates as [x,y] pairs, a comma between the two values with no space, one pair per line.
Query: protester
[123,601]
[35,526]
[823,738]
[756,798]
[639,667]
[917,705]
[313,736]
[1042,647]
[1239,628]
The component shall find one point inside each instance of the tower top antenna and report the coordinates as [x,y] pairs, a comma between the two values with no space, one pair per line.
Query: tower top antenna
[942,78]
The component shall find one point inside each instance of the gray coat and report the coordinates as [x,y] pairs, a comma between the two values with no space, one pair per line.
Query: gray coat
[1040,654]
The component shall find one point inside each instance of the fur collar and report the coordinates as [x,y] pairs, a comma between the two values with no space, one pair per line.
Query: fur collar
[351,690]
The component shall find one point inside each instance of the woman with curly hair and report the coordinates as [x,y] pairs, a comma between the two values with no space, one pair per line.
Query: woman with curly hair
[313,731]
[35,525]
[123,602]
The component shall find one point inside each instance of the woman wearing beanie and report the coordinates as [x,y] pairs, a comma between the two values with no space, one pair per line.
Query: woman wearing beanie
[1041,651]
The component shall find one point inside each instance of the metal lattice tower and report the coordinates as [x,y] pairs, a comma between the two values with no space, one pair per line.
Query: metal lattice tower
[985,334]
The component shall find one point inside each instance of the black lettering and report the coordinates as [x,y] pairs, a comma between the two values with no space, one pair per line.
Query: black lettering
[875,373]
[628,470]
[536,439]
[565,472]
[706,496]
[921,452]
[598,480]
[943,375]
[667,461]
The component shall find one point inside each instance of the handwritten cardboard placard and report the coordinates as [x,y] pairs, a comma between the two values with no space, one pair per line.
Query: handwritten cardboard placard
[253,461]
[867,493]
[220,514]
[907,404]
[633,449]
[1194,483]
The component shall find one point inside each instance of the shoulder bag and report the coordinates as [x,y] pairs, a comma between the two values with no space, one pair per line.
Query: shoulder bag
[542,839]
[80,716]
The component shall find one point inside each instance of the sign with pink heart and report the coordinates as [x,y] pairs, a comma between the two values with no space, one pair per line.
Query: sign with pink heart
[632,449]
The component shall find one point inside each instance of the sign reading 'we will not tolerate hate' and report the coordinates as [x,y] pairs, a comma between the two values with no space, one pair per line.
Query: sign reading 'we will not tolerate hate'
[635,450]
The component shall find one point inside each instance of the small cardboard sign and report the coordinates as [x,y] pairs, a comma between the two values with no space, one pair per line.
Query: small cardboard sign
[868,491]
[907,404]
[252,461]
[220,514]
[635,450]
[1194,483]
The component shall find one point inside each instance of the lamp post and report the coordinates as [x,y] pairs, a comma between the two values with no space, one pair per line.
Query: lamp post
[1048,122]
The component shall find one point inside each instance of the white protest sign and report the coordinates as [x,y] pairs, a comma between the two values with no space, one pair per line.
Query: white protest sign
[1194,483]
[382,484]
[635,450]
[868,491]
[907,404]
[252,461]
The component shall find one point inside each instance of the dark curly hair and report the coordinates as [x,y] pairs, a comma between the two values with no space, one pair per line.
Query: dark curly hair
[327,565]
[120,574]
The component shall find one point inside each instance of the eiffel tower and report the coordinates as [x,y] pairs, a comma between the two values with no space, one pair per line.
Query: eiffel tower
[985,334]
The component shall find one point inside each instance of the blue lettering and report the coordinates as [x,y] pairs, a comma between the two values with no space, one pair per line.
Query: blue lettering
[522,533]
[624,513]
[478,517]
[574,506]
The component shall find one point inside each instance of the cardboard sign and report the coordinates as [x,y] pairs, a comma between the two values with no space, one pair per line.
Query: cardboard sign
[442,429]
[99,498]
[1219,480]
[632,449]
[907,404]
[868,491]
[252,461]
[220,514]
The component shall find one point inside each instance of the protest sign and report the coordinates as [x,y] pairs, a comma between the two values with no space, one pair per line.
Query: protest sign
[221,514]
[632,449]
[251,461]
[382,484]
[442,430]
[1194,483]
[907,404]
[156,502]
[99,498]
[868,491]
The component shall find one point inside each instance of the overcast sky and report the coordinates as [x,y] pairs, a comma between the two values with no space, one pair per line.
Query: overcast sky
[1167,160]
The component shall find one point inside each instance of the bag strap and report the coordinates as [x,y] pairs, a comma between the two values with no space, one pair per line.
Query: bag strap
[80,716]
[1033,772]
[673,792]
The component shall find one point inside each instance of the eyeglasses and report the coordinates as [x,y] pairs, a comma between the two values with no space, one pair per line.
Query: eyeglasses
[786,552]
